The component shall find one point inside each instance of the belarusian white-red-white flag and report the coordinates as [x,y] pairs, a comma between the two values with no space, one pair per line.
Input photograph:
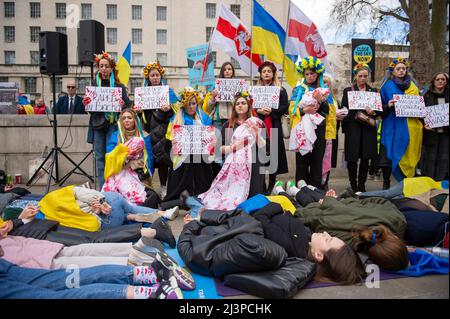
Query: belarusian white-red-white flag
[304,39]
[232,37]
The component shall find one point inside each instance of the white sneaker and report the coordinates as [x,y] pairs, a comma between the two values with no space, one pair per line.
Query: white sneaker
[301,183]
[163,192]
[171,213]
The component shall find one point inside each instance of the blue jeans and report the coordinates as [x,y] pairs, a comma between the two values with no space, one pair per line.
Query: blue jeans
[101,282]
[395,191]
[120,208]
[101,138]
[195,205]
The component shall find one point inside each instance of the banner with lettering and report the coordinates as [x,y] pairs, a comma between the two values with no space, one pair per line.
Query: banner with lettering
[227,89]
[359,100]
[409,106]
[103,99]
[437,116]
[151,97]
[265,96]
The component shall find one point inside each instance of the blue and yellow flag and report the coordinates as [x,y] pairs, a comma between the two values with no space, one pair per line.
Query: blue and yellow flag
[123,65]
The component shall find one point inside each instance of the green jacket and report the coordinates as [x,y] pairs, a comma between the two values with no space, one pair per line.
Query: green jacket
[340,218]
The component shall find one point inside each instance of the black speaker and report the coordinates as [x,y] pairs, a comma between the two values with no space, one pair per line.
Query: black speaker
[53,53]
[91,40]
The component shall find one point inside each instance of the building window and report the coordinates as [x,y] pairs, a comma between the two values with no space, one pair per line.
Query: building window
[30,85]
[34,34]
[236,9]
[136,36]
[86,11]
[161,13]
[10,11]
[209,31]
[114,55]
[111,11]
[162,58]
[34,57]
[35,9]
[136,58]
[214,56]
[82,83]
[3,79]
[235,63]
[135,83]
[111,35]
[161,36]
[61,30]
[60,10]
[10,34]
[10,57]
[136,12]
[211,10]
[58,85]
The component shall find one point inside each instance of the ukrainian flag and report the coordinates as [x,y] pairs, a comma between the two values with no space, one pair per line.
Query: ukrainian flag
[268,38]
[123,65]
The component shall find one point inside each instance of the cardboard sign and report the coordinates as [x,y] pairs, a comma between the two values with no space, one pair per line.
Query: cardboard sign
[359,100]
[151,97]
[437,116]
[194,139]
[103,99]
[409,106]
[227,89]
[265,96]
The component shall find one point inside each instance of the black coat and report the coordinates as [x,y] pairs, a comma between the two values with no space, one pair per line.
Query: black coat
[156,125]
[276,125]
[62,106]
[360,139]
[228,242]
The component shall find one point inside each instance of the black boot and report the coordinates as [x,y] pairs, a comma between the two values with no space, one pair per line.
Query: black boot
[164,232]
[386,184]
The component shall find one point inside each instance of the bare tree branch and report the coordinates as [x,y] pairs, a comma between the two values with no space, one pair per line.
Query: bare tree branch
[405,6]
[393,14]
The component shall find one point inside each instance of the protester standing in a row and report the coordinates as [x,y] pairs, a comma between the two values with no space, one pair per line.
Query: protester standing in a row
[401,137]
[360,137]
[435,141]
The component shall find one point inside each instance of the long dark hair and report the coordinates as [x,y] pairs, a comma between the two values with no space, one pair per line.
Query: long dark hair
[222,70]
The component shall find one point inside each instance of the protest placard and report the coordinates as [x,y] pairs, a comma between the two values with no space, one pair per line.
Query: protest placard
[265,96]
[194,139]
[196,64]
[409,106]
[103,99]
[359,100]
[227,89]
[437,116]
[151,97]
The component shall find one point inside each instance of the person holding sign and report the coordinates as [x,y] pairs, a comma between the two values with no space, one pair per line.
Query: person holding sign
[187,172]
[102,124]
[272,121]
[316,104]
[435,141]
[156,123]
[129,161]
[401,137]
[360,137]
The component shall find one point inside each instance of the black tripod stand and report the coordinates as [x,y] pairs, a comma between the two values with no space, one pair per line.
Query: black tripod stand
[54,153]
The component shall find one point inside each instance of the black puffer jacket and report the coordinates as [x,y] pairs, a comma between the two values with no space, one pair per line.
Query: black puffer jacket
[228,242]
[156,127]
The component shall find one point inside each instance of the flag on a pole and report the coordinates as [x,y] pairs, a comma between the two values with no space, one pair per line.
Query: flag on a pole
[304,39]
[232,37]
[123,65]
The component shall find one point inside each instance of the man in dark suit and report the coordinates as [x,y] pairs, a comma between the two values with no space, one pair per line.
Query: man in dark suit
[70,103]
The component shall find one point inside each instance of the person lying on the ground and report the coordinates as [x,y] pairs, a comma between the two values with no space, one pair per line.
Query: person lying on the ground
[100,282]
[90,210]
[11,188]
[27,226]
[33,253]
[207,246]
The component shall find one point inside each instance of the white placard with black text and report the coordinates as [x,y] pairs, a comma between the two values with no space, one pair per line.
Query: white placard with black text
[437,116]
[103,99]
[227,89]
[359,100]
[151,97]
[265,96]
[409,106]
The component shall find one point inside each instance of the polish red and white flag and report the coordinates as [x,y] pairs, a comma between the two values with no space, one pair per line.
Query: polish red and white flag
[232,37]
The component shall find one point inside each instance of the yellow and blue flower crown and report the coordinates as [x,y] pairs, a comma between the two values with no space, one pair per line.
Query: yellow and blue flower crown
[154,65]
[361,66]
[187,93]
[311,63]
[397,61]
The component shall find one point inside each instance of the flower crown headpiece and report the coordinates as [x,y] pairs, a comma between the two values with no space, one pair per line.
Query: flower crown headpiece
[187,93]
[246,95]
[397,61]
[154,65]
[103,55]
[313,63]
[361,66]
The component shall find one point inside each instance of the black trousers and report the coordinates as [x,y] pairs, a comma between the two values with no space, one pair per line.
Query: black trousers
[196,178]
[358,183]
[163,173]
[309,166]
